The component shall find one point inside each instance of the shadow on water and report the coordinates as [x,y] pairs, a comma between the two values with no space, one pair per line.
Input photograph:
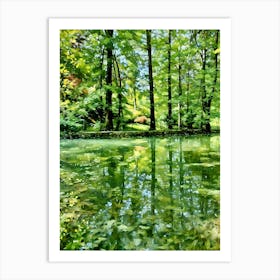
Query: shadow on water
[140,194]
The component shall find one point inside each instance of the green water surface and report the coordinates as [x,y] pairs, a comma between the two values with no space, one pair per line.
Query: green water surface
[140,194]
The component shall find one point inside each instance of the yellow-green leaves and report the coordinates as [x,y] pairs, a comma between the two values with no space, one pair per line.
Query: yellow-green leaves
[217,51]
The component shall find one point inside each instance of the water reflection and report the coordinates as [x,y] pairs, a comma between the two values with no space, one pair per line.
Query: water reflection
[140,194]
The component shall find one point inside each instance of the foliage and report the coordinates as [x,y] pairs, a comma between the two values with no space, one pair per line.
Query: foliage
[185,71]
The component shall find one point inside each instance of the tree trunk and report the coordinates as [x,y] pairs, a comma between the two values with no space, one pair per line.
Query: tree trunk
[169,116]
[134,98]
[108,109]
[151,82]
[119,118]
[101,109]
[204,117]
[180,94]
[188,91]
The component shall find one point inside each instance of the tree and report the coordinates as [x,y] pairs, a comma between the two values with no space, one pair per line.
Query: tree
[207,44]
[179,90]
[214,87]
[169,83]
[120,109]
[203,94]
[108,108]
[151,82]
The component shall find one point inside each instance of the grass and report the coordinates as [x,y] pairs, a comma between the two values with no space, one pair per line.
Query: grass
[136,127]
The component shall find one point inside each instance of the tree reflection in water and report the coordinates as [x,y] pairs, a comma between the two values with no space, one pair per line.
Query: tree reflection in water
[140,194]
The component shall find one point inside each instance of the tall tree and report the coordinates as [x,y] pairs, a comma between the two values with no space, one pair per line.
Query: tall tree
[210,98]
[180,93]
[203,55]
[120,109]
[206,97]
[190,114]
[199,37]
[151,81]
[169,83]
[101,109]
[108,108]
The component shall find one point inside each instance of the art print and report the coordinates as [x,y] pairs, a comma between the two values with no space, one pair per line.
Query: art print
[139,140]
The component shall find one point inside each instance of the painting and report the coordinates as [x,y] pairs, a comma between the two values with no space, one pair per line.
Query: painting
[139,139]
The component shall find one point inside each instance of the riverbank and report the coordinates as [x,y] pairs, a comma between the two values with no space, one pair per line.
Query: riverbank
[132,134]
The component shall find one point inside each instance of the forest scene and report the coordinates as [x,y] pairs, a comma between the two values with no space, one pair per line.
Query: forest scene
[139,140]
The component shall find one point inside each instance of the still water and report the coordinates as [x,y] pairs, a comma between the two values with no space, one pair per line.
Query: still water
[140,194]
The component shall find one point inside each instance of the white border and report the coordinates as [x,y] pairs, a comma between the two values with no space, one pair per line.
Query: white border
[24,160]
[223,255]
